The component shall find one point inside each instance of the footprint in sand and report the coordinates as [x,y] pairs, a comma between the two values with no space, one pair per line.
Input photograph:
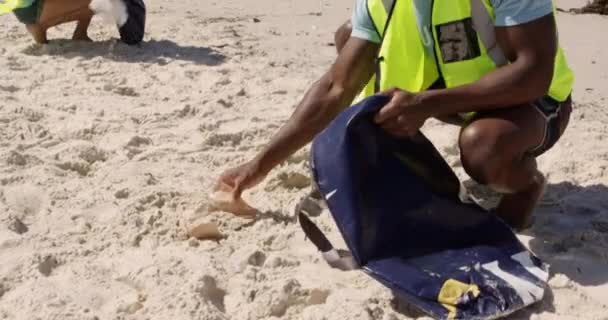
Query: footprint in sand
[122,194]
[15,65]
[9,88]
[209,290]
[224,139]
[277,261]
[25,202]
[289,295]
[209,127]
[32,115]
[121,90]
[317,296]
[138,141]
[186,111]
[289,180]
[223,82]
[135,144]
[192,75]
[249,255]
[47,265]
[256,259]
[17,226]
[80,167]
[16,159]
[80,157]
[93,154]
[225,104]
[3,290]
[126,92]
[241,93]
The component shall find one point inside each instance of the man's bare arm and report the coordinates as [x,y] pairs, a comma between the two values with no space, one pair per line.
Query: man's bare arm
[323,102]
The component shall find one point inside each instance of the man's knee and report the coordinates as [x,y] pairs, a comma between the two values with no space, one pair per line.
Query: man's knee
[342,34]
[487,155]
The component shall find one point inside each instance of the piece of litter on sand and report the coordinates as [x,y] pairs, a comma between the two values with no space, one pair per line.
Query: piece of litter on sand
[205,231]
[223,200]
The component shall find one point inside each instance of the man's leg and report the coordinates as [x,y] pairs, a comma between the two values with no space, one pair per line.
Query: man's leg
[133,30]
[82,28]
[495,150]
[56,12]
[38,32]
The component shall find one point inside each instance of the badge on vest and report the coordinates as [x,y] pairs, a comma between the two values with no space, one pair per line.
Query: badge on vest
[458,41]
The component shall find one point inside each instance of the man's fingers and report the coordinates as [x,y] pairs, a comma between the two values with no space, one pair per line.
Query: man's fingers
[222,184]
[394,128]
[390,105]
[237,189]
[229,184]
[398,128]
[390,110]
[390,125]
[388,92]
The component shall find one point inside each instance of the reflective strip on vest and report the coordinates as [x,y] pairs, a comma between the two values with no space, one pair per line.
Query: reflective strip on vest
[382,9]
[484,25]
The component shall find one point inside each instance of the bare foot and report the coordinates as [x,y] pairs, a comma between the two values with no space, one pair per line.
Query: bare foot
[81,32]
[81,37]
[38,32]
[223,199]
[516,209]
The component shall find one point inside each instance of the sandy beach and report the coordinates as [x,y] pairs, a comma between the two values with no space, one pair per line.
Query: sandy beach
[108,154]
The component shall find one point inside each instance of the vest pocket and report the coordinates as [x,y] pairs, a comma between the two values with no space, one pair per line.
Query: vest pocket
[458,41]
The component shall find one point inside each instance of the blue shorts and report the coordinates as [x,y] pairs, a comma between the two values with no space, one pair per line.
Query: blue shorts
[557,116]
[29,15]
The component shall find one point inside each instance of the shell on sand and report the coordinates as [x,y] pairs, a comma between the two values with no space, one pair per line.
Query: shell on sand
[205,231]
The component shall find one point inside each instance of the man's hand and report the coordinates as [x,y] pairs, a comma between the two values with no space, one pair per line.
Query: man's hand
[404,115]
[238,179]
[230,186]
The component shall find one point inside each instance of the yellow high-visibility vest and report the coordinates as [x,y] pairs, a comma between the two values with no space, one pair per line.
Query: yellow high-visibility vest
[403,61]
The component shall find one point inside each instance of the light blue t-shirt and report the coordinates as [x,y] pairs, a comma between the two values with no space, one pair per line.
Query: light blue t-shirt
[508,13]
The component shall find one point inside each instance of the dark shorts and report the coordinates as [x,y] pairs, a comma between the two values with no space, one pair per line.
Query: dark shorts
[555,113]
[29,15]
[557,116]
[132,32]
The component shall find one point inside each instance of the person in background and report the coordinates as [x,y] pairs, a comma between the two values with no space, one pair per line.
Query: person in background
[40,15]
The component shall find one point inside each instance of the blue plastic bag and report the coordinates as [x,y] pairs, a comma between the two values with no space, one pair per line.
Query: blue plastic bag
[396,203]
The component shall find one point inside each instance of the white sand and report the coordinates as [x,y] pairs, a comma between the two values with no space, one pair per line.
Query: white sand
[108,152]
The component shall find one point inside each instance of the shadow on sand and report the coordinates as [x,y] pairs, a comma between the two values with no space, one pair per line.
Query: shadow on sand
[153,51]
[570,234]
